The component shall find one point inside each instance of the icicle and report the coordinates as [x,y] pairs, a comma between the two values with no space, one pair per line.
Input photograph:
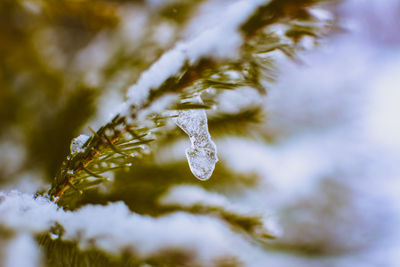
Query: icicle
[77,144]
[202,155]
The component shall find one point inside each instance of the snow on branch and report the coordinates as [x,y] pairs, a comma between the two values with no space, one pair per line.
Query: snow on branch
[199,200]
[177,70]
[233,53]
[222,41]
[114,228]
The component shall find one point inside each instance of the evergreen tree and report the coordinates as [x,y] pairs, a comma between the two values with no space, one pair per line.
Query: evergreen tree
[122,193]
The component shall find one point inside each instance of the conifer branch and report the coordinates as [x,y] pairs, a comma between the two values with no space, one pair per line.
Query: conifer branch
[131,132]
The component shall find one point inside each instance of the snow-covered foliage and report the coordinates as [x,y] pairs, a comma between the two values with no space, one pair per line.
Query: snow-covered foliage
[222,40]
[320,174]
[113,228]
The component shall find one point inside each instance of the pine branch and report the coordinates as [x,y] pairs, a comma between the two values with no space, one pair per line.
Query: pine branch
[238,52]
[146,114]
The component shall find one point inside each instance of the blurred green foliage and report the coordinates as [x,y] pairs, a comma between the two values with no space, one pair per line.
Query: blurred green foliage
[45,102]
[45,95]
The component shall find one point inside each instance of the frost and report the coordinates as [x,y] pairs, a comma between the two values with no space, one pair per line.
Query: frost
[77,144]
[202,155]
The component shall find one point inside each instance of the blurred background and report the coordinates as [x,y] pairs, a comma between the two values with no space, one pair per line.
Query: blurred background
[320,158]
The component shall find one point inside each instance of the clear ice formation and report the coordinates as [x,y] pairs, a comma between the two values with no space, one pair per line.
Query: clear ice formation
[202,155]
[77,144]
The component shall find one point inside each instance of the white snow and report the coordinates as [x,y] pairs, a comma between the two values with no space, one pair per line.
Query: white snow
[220,41]
[22,251]
[114,228]
[159,107]
[321,14]
[333,174]
[383,111]
[21,212]
[169,64]
[234,101]
[159,3]
[337,122]
[223,40]
[77,144]
[202,155]
[188,196]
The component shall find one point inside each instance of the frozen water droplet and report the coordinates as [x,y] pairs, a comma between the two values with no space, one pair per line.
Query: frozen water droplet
[202,161]
[77,144]
[202,155]
[54,236]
